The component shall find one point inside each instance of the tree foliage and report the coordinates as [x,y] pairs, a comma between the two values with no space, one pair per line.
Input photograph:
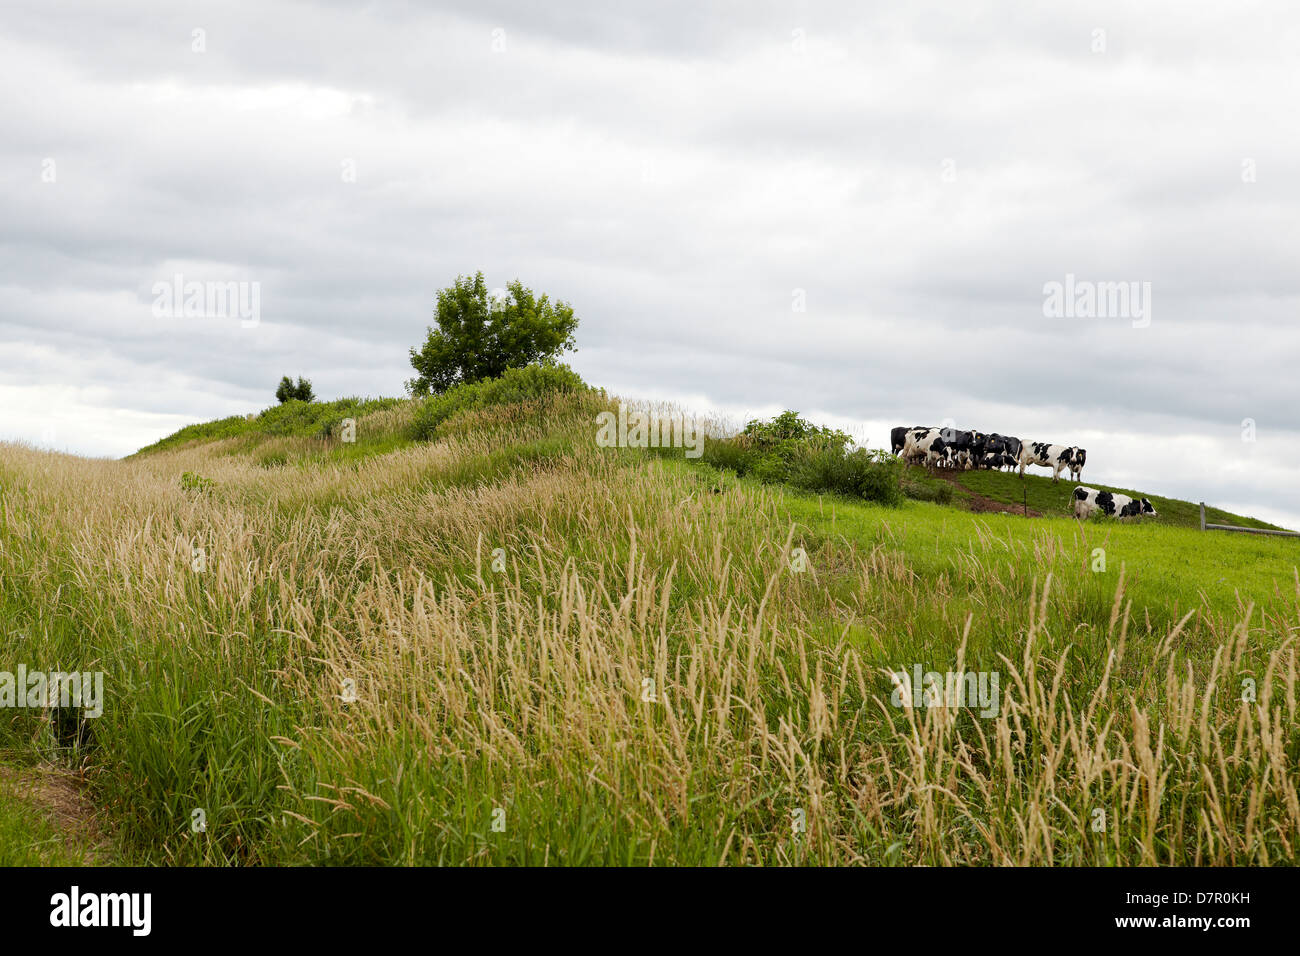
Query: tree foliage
[479,336]
[287,391]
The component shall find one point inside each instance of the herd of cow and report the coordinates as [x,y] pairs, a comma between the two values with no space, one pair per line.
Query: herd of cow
[953,448]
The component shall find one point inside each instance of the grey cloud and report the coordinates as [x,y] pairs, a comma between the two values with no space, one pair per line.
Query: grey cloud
[676,173]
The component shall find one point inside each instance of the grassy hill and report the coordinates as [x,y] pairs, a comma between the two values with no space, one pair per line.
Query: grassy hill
[1045,497]
[507,645]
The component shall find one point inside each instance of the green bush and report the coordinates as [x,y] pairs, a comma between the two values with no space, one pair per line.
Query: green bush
[791,450]
[787,433]
[528,383]
[194,482]
[288,391]
[872,475]
[295,417]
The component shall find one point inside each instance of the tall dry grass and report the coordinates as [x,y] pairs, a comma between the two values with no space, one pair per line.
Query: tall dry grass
[357,674]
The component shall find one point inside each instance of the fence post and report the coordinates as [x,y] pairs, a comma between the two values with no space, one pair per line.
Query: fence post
[1202,515]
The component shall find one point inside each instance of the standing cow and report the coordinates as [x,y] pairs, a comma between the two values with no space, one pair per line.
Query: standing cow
[926,445]
[1013,447]
[961,447]
[898,437]
[1054,457]
[1077,459]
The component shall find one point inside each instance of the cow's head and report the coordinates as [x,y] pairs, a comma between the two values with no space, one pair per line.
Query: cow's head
[1080,456]
[1148,509]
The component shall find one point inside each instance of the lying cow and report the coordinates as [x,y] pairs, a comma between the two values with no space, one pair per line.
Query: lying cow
[1054,457]
[997,451]
[1090,500]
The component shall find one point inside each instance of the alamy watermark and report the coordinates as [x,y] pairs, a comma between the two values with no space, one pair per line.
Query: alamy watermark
[39,689]
[975,689]
[179,299]
[127,910]
[1084,299]
[638,429]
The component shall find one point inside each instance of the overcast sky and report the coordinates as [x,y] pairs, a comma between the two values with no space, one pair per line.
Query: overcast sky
[850,209]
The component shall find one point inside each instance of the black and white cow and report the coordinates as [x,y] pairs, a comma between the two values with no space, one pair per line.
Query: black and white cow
[997,460]
[1013,447]
[996,451]
[1054,457]
[898,437]
[1077,461]
[1090,500]
[909,451]
[926,445]
[961,447]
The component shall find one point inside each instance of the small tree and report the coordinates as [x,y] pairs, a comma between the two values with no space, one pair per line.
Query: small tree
[480,337]
[287,391]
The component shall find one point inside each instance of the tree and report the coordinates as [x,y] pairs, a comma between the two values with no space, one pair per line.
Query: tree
[287,391]
[480,337]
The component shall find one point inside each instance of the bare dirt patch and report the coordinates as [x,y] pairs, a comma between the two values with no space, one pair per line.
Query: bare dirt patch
[982,504]
[58,794]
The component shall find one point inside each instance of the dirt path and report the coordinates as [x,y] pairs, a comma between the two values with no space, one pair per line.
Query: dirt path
[57,795]
[981,504]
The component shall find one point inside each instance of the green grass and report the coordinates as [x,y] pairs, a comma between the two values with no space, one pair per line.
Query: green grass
[28,837]
[290,419]
[517,690]
[1053,498]
[921,486]
[528,384]
[1170,566]
[1168,569]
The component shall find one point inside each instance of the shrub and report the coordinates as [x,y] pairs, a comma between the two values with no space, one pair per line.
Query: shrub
[787,432]
[193,482]
[872,475]
[793,451]
[287,391]
[529,383]
[318,419]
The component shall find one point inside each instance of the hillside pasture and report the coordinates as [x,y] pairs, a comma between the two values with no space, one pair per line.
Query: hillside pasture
[510,646]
